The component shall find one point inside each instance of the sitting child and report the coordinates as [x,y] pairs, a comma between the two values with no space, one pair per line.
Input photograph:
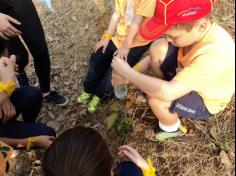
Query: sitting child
[194,64]
[14,101]
[125,43]
[82,151]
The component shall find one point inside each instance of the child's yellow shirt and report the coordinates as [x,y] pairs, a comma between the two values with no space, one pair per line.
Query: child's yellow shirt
[143,8]
[209,68]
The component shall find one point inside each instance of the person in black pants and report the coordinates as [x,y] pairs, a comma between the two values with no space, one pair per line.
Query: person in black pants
[19,17]
[26,101]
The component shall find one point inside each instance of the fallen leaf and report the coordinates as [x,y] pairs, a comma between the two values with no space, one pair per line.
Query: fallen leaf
[229,168]
[111,119]
[115,107]
[51,115]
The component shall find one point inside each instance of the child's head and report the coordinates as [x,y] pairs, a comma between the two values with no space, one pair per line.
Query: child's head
[178,19]
[78,152]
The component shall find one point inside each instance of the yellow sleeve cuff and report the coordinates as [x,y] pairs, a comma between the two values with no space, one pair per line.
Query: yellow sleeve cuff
[106,35]
[30,142]
[151,171]
[9,88]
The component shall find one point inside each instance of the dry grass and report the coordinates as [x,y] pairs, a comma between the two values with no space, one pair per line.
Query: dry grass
[198,155]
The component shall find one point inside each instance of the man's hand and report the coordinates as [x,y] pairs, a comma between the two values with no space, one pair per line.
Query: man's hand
[133,155]
[102,44]
[6,28]
[7,66]
[8,110]
[122,53]
[120,66]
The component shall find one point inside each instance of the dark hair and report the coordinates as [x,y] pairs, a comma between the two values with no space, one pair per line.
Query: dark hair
[78,152]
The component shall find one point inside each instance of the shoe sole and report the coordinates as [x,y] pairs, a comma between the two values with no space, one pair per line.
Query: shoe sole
[63,104]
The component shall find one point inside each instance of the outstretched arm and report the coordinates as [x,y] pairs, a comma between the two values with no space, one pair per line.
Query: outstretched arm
[154,87]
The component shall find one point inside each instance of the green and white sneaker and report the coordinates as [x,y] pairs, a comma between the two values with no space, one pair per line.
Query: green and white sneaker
[161,136]
[83,97]
[166,135]
[93,104]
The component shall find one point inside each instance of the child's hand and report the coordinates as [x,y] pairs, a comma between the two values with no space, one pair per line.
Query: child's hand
[102,44]
[120,66]
[122,53]
[8,110]
[7,66]
[133,155]
[44,141]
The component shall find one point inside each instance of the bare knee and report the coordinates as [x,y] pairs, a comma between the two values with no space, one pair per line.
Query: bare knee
[158,50]
[157,103]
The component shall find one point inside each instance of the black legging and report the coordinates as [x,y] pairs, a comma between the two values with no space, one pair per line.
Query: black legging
[33,35]
[27,101]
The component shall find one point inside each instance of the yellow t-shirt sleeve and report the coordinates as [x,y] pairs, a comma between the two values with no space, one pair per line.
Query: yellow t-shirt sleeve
[146,8]
[117,5]
[202,71]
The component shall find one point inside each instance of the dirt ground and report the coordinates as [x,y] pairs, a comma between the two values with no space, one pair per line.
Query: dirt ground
[72,31]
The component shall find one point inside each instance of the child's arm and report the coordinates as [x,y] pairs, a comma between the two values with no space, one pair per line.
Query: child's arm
[7,77]
[103,43]
[39,141]
[135,157]
[143,65]
[123,51]
[154,87]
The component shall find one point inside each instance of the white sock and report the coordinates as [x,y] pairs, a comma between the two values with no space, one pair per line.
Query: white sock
[170,128]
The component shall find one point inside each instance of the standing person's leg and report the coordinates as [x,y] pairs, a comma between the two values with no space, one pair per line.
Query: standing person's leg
[16,47]
[33,36]
[105,88]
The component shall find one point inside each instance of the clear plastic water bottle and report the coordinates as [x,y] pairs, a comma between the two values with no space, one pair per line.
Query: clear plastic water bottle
[121,91]
[47,4]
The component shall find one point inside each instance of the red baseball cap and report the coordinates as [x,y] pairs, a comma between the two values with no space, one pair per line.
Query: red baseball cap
[171,12]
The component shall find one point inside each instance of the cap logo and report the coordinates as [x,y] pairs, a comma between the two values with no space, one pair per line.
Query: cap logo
[189,12]
[166,3]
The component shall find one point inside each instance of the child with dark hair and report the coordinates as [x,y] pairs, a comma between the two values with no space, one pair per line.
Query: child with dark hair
[14,101]
[83,152]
